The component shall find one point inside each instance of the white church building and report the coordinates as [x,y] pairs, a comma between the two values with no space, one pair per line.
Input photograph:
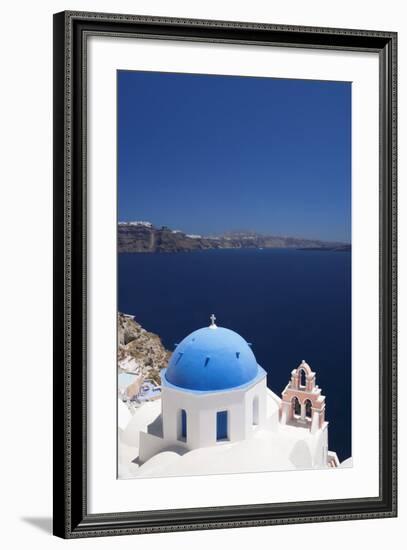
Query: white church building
[217,415]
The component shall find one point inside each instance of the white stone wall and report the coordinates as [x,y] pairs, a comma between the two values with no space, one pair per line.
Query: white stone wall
[320,448]
[201,412]
[201,419]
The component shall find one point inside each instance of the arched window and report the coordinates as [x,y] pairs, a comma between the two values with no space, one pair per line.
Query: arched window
[182,428]
[255,418]
[296,406]
[303,378]
[308,408]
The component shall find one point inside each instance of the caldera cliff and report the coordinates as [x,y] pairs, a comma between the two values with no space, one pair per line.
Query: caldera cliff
[145,237]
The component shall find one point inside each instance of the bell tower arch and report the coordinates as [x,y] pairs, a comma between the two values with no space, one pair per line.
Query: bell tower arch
[302,402]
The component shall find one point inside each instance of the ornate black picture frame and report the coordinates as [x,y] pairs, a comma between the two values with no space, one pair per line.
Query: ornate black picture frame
[71,517]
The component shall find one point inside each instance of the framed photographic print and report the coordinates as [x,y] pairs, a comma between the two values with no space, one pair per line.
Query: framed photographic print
[225,274]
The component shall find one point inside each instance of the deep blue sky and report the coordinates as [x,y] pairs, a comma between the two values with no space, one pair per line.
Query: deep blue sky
[208,154]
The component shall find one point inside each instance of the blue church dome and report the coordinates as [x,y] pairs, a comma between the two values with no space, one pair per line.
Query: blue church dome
[212,358]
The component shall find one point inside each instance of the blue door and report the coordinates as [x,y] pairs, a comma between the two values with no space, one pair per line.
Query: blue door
[221,425]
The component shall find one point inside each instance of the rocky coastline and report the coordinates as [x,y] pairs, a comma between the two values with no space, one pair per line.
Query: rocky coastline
[139,351]
[136,237]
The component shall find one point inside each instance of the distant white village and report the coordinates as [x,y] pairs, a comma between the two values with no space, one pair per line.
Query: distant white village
[141,223]
[136,223]
[213,413]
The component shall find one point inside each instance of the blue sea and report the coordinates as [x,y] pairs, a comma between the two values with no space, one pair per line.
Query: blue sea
[290,304]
